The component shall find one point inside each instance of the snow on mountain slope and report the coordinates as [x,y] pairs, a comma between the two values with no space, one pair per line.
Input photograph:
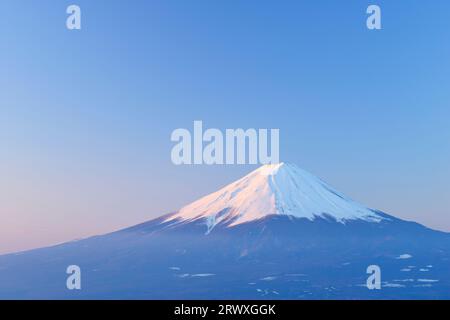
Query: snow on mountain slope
[281,189]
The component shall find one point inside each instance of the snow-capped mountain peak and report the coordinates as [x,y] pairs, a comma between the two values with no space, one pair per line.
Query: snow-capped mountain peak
[282,189]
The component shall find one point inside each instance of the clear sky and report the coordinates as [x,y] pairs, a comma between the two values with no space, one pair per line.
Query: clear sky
[86,116]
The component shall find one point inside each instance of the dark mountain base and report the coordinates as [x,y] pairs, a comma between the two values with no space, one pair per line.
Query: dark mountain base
[273,258]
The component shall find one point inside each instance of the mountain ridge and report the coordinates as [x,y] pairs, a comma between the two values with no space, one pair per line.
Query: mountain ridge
[281,189]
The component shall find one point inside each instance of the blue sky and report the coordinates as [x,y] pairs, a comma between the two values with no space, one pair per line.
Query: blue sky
[86,116]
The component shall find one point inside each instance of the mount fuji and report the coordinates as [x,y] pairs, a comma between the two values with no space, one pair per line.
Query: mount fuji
[278,189]
[277,233]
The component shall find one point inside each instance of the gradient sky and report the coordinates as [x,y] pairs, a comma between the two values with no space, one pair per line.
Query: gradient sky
[86,116]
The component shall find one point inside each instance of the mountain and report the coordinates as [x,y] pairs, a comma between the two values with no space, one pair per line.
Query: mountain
[277,233]
[277,189]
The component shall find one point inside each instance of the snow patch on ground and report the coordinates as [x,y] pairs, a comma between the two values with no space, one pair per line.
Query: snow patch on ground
[271,278]
[392,285]
[404,280]
[201,275]
[265,292]
[196,275]
[423,285]
[175,268]
[427,280]
[404,256]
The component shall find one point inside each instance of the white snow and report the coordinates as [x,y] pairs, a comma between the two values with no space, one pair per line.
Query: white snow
[393,285]
[282,189]
[423,285]
[197,275]
[404,280]
[270,278]
[404,256]
[184,275]
[427,280]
